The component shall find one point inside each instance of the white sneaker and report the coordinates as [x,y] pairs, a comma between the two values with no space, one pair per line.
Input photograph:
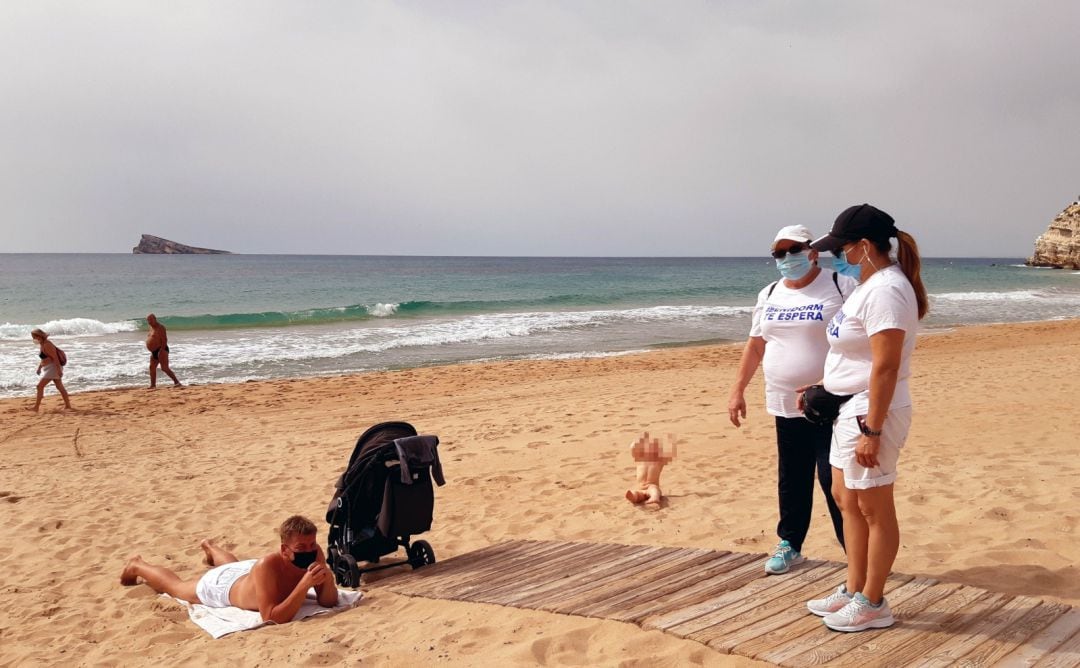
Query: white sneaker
[859,615]
[831,603]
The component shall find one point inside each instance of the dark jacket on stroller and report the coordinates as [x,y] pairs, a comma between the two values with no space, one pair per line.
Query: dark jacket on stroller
[383,499]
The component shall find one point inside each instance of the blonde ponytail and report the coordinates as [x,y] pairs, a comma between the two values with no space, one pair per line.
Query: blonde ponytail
[907,254]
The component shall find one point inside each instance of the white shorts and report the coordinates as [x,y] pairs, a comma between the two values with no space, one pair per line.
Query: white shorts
[846,436]
[49,371]
[214,586]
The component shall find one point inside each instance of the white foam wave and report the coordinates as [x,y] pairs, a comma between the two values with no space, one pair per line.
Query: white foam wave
[586,355]
[68,327]
[482,328]
[1014,296]
[237,355]
[383,310]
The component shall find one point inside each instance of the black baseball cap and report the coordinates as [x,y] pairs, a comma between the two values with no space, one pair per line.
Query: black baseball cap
[861,221]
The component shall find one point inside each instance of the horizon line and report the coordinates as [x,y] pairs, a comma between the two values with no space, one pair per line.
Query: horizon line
[507,257]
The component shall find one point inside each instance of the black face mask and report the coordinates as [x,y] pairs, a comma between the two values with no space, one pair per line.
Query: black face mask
[304,559]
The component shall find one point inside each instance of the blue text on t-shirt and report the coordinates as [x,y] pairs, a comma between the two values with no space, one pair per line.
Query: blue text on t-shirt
[805,312]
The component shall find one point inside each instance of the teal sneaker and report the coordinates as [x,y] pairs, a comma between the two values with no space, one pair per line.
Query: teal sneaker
[783,559]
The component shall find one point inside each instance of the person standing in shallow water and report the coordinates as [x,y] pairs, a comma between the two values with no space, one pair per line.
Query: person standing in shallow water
[49,368]
[787,339]
[157,342]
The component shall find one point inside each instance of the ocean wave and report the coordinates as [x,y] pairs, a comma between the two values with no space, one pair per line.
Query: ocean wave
[1009,296]
[266,318]
[266,353]
[68,327]
[383,310]
[500,326]
[313,316]
[361,312]
[296,346]
[584,355]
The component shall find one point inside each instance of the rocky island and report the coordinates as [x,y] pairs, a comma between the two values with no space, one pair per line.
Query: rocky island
[1059,246]
[151,245]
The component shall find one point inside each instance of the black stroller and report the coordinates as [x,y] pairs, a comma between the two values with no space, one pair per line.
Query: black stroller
[383,499]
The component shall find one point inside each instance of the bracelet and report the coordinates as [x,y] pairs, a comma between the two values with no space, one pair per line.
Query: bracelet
[867,431]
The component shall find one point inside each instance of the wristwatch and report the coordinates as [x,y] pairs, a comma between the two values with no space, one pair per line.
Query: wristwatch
[867,431]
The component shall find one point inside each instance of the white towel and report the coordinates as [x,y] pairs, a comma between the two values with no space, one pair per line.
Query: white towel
[220,622]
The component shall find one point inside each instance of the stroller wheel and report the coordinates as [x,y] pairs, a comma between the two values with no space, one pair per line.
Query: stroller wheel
[352,569]
[420,554]
[344,567]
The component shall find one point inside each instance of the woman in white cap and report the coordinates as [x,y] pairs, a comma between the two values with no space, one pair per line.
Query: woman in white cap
[787,338]
[50,367]
[869,363]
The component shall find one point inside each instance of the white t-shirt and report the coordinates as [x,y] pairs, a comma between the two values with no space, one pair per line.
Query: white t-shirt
[792,322]
[885,301]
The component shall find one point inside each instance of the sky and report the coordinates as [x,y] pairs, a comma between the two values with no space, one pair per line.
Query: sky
[617,128]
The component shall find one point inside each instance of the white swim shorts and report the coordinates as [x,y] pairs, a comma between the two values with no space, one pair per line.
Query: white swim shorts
[846,436]
[49,371]
[213,587]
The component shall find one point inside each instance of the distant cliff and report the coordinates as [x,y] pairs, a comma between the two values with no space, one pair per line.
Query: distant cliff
[151,245]
[1059,246]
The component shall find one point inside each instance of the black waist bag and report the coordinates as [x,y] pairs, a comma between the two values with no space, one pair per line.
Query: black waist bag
[821,406]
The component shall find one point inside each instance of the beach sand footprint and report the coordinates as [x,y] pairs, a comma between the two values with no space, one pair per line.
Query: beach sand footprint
[552,649]
[326,658]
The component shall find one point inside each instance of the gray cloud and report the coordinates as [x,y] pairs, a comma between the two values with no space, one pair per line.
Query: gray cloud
[616,128]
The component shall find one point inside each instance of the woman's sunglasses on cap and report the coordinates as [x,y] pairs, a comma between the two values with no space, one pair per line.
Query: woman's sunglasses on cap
[779,253]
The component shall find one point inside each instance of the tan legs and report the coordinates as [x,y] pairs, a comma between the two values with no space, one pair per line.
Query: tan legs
[216,556]
[164,581]
[160,579]
[41,392]
[650,497]
[871,535]
[63,392]
[163,360]
[877,507]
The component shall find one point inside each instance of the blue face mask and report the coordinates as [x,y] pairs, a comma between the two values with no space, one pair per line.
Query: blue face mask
[840,265]
[794,266]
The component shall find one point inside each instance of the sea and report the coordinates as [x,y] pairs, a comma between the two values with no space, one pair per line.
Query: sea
[235,318]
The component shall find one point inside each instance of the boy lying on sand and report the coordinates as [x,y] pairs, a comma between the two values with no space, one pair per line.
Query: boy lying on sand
[651,458]
[274,586]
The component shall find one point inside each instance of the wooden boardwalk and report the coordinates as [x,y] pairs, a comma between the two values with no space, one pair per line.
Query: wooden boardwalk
[724,600]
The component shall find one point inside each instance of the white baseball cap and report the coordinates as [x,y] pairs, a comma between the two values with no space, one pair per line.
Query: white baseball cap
[793,233]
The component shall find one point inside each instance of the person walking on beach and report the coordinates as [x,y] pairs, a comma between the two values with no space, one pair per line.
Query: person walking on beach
[787,338]
[870,344]
[50,368]
[275,586]
[157,342]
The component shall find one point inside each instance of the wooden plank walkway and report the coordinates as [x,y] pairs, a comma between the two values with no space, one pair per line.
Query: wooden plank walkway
[725,600]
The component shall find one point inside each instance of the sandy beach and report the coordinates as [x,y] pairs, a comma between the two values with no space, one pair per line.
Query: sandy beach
[987,494]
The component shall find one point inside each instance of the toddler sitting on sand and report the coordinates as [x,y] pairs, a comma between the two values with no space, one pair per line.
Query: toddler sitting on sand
[651,458]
